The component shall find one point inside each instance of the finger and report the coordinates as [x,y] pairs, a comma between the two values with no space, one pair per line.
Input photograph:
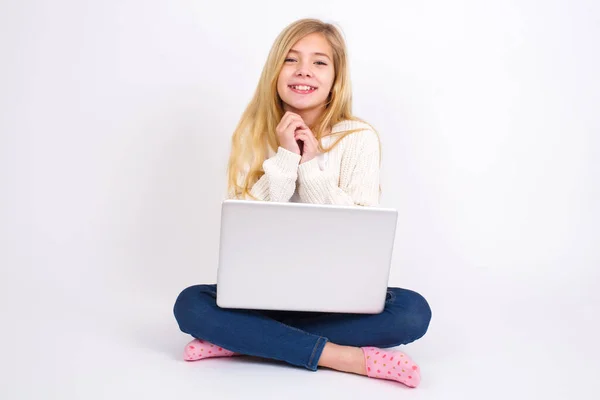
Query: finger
[307,134]
[302,133]
[286,129]
[289,113]
[309,144]
[307,131]
[296,124]
[287,118]
[301,136]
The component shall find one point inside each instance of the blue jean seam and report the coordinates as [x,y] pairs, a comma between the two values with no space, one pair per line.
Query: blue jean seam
[316,346]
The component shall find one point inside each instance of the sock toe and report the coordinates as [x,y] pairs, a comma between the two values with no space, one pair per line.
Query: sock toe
[391,365]
[192,351]
[199,349]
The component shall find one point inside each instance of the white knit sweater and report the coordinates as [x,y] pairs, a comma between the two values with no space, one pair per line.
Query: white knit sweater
[346,175]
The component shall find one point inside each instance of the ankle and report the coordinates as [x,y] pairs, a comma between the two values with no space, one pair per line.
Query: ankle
[343,358]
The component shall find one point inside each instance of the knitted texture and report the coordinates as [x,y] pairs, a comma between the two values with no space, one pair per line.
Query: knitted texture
[346,175]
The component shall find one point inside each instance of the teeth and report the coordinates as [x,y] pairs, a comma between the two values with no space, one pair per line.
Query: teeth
[302,87]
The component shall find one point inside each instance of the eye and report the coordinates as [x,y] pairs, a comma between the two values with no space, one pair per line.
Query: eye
[290,59]
[320,63]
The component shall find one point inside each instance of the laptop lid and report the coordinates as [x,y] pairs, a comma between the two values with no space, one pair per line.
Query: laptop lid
[304,257]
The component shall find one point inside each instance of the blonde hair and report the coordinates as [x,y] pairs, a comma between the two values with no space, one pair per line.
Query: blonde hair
[255,132]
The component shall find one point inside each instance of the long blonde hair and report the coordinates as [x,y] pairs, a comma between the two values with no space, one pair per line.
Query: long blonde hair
[255,132]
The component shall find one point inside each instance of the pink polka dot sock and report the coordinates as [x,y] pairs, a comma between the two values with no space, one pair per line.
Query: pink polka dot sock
[199,349]
[392,365]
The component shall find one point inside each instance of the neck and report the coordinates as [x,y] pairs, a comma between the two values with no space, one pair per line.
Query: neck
[310,117]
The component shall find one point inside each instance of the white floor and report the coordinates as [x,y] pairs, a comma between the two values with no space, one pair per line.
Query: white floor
[486,341]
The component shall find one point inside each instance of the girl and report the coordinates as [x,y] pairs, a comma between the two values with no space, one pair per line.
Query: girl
[298,141]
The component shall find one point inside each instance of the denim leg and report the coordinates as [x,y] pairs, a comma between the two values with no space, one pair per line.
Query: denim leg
[405,319]
[246,332]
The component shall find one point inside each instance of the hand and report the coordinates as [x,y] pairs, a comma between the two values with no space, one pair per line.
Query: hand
[310,144]
[289,123]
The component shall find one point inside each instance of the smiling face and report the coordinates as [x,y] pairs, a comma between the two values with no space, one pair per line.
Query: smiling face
[307,75]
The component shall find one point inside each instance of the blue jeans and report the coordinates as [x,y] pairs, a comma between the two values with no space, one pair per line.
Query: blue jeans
[298,338]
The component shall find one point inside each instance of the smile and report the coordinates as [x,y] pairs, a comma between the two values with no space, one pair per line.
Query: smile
[304,89]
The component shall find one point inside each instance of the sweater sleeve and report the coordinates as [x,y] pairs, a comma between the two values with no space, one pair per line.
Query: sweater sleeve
[359,175]
[279,180]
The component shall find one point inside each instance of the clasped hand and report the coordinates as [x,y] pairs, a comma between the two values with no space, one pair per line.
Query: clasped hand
[295,136]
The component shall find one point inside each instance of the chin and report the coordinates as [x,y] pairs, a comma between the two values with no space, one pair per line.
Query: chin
[301,106]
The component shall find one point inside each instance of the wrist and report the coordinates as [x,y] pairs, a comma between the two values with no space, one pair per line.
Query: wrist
[291,147]
[308,157]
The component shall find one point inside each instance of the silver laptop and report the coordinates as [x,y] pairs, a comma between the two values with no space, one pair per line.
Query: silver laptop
[304,257]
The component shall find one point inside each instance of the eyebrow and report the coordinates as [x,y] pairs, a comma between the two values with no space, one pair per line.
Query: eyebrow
[316,53]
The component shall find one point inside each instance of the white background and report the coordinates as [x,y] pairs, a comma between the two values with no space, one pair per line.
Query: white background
[115,123]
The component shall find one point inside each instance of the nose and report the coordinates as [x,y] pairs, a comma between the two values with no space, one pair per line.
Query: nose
[304,70]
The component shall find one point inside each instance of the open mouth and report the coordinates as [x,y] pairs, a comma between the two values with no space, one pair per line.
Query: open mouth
[302,89]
